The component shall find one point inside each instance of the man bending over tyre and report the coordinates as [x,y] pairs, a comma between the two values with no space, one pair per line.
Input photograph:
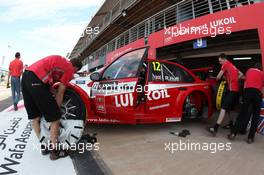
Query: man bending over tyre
[39,100]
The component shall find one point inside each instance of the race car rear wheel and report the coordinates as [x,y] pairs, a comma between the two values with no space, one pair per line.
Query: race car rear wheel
[194,106]
[72,106]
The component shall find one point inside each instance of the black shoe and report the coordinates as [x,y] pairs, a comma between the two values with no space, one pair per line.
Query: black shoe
[15,107]
[56,154]
[228,126]
[231,136]
[212,130]
[44,150]
[250,140]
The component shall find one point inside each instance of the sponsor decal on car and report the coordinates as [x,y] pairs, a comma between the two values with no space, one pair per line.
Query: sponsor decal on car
[103,120]
[158,94]
[124,100]
[160,106]
[80,81]
[173,119]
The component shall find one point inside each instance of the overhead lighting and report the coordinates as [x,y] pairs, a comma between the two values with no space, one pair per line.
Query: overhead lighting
[124,13]
[242,58]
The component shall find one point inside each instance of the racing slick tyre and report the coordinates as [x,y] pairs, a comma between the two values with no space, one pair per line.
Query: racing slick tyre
[72,122]
[220,94]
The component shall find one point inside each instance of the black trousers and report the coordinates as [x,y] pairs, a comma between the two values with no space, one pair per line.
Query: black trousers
[252,99]
[38,99]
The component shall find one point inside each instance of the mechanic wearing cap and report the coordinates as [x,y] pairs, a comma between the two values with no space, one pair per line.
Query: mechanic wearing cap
[15,71]
[253,88]
[39,100]
[232,74]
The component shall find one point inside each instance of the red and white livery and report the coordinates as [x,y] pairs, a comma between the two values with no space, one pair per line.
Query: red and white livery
[134,89]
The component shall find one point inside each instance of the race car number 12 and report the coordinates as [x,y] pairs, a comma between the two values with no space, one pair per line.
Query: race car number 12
[156,66]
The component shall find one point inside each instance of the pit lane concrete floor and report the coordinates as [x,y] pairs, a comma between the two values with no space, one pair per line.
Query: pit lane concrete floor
[140,149]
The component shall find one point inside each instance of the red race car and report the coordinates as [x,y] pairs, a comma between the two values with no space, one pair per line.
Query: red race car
[134,89]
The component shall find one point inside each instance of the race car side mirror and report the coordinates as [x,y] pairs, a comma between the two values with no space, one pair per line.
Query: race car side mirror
[95,76]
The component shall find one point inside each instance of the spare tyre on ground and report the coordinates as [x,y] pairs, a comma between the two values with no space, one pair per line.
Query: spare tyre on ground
[72,121]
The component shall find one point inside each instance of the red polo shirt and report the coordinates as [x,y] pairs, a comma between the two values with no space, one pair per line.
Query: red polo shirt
[53,69]
[254,79]
[231,74]
[16,67]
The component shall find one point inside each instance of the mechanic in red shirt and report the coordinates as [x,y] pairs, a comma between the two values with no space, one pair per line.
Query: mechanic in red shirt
[230,100]
[253,88]
[15,71]
[39,100]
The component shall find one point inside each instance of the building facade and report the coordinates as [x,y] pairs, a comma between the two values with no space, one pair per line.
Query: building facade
[193,32]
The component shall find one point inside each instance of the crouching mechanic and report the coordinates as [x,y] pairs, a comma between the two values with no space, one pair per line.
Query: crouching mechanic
[39,100]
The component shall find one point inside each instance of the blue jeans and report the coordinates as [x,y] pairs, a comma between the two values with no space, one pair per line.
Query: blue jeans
[15,88]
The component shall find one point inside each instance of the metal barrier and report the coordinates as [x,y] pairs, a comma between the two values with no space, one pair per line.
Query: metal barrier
[175,14]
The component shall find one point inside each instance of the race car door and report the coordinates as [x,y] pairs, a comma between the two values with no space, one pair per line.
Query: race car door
[116,94]
[166,81]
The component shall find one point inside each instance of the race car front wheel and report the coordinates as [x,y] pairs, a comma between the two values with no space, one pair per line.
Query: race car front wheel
[72,106]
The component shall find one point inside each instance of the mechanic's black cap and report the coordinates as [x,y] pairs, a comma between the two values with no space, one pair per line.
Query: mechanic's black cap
[76,63]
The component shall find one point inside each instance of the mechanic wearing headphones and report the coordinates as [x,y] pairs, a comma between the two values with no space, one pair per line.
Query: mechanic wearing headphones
[39,100]
[253,88]
[232,74]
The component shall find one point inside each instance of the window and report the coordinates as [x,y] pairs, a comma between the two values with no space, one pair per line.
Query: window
[164,72]
[185,11]
[141,30]
[125,67]
[159,22]
[219,5]
[126,38]
[118,43]
[170,17]
[133,34]
[201,8]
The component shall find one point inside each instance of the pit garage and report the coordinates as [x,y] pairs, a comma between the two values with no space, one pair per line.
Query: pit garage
[145,148]
[242,48]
